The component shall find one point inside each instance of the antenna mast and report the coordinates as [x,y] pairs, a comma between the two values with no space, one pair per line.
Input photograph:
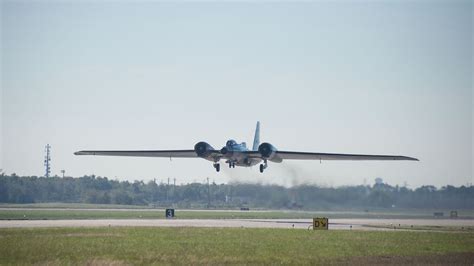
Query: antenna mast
[47,160]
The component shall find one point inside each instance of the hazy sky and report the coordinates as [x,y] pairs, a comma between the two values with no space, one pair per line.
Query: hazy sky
[388,77]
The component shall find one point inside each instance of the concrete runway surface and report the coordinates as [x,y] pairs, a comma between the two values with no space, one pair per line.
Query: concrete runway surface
[334,224]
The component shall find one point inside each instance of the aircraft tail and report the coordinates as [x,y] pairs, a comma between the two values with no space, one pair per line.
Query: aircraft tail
[256,139]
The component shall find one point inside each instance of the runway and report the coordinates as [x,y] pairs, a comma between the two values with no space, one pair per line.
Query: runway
[334,224]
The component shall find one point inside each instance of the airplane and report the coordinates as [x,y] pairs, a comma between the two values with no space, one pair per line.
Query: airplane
[237,154]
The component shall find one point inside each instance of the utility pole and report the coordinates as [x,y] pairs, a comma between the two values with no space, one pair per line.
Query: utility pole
[155,188]
[63,172]
[167,190]
[174,190]
[47,160]
[208,194]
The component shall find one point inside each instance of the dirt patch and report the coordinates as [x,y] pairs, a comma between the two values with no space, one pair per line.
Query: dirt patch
[92,235]
[106,262]
[444,259]
[90,262]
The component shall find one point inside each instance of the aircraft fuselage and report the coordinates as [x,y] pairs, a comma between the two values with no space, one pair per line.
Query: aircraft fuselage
[235,155]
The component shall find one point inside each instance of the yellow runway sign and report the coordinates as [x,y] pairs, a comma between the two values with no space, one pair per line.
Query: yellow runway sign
[320,223]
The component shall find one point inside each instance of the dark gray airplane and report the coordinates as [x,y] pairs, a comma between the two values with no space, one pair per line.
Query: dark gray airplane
[237,154]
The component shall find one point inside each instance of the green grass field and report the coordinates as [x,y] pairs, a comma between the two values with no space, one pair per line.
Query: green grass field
[81,211]
[131,245]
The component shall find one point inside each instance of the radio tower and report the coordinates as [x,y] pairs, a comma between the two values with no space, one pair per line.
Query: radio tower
[47,160]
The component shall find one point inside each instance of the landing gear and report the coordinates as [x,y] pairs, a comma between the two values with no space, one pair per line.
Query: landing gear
[263,166]
[231,164]
[217,166]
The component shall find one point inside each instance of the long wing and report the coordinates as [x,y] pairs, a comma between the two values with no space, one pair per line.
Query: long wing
[293,155]
[144,153]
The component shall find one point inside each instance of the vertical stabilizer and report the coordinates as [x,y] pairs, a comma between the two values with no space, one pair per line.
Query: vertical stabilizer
[256,139]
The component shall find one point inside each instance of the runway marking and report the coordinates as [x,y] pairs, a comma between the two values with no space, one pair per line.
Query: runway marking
[334,224]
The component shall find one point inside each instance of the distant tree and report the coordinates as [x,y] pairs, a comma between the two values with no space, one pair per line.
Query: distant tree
[101,190]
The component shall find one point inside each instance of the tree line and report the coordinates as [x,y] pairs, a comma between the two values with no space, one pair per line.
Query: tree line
[101,190]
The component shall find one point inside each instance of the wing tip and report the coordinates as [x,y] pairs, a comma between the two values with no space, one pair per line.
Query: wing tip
[411,158]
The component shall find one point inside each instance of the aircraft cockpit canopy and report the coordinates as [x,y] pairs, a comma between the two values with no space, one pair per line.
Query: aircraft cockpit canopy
[231,143]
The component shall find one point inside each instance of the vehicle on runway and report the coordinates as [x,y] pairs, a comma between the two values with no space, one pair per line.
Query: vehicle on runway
[237,154]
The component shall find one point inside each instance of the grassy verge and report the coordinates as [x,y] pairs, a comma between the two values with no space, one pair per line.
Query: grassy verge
[41,214]
[131,245]
[437,228]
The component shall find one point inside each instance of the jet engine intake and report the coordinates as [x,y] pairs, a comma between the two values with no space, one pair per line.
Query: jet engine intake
[203,149]
[267,150]
[226,151]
